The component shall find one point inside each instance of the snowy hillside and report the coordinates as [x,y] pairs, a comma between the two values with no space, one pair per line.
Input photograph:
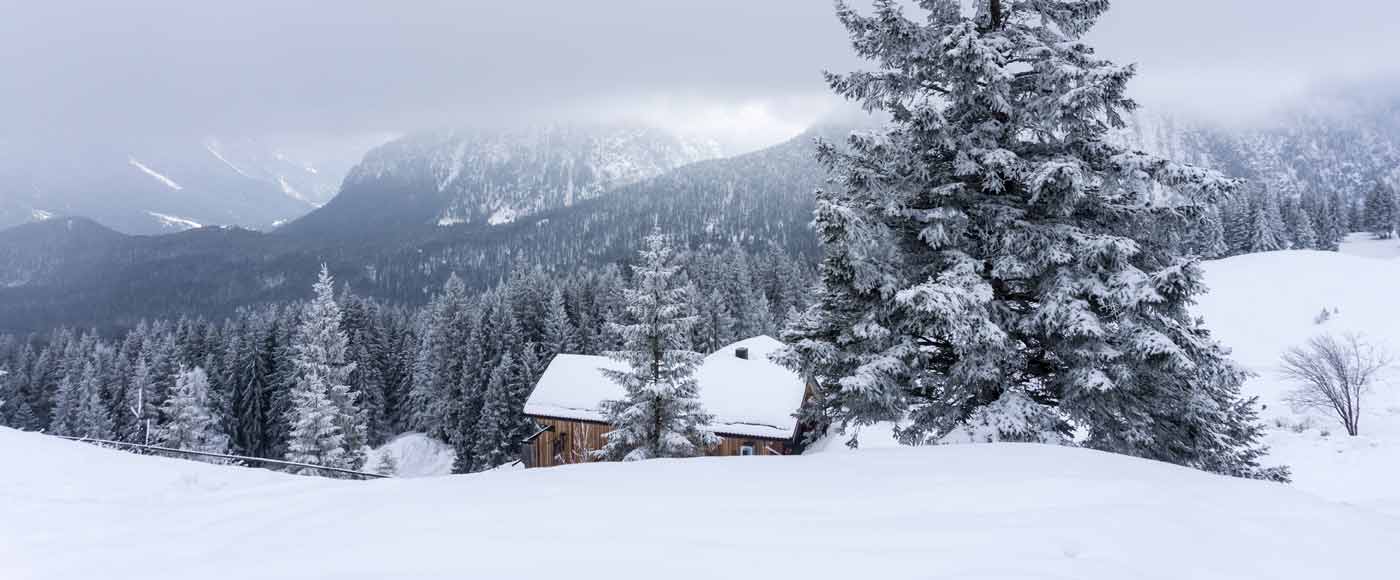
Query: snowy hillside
[1262,304]
[990,511]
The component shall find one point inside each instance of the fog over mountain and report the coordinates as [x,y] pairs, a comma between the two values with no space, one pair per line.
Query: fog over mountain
[156,116]
[156,67]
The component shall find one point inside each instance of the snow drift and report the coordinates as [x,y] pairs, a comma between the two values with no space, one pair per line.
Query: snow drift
[1261,304]
[413,455]
[71,510]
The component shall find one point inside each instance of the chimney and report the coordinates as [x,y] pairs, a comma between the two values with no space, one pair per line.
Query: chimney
[742,352]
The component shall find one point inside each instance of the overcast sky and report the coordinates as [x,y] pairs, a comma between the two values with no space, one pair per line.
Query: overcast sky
[748,69]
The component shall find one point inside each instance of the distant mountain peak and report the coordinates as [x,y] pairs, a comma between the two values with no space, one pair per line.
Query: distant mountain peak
[491,177]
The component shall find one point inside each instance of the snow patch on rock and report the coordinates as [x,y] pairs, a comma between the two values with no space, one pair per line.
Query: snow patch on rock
[173,222]
[153,173]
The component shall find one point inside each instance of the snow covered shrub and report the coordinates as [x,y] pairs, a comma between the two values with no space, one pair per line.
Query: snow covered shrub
[1296,425]
[1334,374]
[386,465]
[1323,316]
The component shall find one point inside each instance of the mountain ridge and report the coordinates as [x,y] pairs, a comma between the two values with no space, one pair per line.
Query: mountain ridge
[492,177]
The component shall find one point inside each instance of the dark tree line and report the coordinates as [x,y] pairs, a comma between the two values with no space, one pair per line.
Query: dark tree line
[458,368]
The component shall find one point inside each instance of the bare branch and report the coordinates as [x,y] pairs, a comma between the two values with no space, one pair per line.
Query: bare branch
[1334,375]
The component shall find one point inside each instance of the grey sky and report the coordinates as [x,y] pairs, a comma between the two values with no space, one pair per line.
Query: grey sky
[749,67]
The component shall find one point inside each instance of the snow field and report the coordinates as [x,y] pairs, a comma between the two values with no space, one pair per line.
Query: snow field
[960,511]
[1261,304]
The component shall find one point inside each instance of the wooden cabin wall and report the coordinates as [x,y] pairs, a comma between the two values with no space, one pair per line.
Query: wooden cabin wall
[729,445]
[571,441]
[567,441]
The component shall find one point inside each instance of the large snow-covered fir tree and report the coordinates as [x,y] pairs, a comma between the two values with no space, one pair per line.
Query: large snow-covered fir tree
[328,427]
[994,267]
[661,414]
[190,423]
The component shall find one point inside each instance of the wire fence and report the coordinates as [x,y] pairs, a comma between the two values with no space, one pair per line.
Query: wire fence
[242,458]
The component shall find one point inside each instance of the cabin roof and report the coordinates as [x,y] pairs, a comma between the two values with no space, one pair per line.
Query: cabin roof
[753,397]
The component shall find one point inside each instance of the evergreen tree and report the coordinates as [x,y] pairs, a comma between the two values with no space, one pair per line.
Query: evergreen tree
[1329,231]
[1304,236]
[986,263]
[1237,216]
[1266,232]
[65,408]
[10,398]
[1209,239]
[79,411]
[558,331]
[322,390]
[1381,211]
[315,436]
[502,424]
[717,320]
[441,359]
[93,420]
[467,393]
[139,406]
[661,414]
[190,422]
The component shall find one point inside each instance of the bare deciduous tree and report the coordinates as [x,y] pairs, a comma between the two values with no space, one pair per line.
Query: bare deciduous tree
[1334,374]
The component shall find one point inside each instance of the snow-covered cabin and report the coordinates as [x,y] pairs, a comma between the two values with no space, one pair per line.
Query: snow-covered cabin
[753,399]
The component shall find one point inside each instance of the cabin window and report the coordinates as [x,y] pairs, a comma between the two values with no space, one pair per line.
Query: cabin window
[747,448]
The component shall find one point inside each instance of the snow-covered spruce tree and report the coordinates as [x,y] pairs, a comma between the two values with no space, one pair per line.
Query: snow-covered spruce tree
[78,407]
[558,331]
[660,414]
[1266,232]
[92,420]
[442,360]
[321,390]
[985,269]
[501,426]
[1208,239]
[189,423]
[1304,235]
[315,437]
[1329,231]
[139,405]
[1381,211]
[65,407]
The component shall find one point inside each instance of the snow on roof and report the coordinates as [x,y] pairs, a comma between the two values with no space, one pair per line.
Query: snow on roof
[755,397]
